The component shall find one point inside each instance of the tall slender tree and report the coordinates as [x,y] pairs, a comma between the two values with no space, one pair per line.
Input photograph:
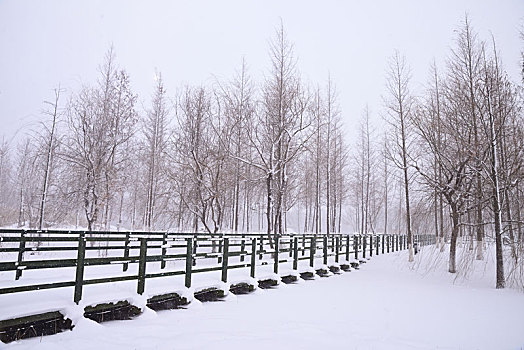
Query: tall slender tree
[399,103]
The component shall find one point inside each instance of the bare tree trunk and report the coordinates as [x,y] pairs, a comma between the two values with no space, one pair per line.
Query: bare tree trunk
[454,236]
[47,167]
[120,210]
[399,107]
[328,155]
[269,208]
[386,190]
[494,172]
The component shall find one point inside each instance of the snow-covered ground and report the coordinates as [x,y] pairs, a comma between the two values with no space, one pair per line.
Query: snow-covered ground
[387,304]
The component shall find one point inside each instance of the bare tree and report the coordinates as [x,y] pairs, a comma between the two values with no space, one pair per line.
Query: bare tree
[280,132]
[239,108]
[101,120]
[449,149]
[6,190]
[49,151]
[155,133]
[464,69]
[399,105]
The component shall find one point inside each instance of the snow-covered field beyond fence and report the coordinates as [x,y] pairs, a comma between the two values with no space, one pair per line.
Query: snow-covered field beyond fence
[387,304]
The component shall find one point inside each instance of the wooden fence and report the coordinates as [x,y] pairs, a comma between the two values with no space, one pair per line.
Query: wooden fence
[23,250]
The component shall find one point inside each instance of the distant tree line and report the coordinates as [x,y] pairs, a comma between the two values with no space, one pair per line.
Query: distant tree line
[233,155]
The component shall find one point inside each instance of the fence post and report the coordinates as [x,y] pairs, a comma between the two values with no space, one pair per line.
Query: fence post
[220,244]
[126,251]
[383,238]
[303,244]
[348,247]
[189,262]
[142,266]
[21,251]
[387,242]
[395,243]
[242,248]
[392,243]
[325,250]
[295,253]
[371,245]
[253,256]
[164,251]
[337,248]
[377,244]
[261,254]
[312,247]
[355,246]
[364,246]
[225,260]
[291,250]
[277,251]
[79,279]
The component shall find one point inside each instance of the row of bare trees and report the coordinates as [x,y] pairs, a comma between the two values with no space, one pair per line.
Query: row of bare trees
[233,155]
[457,154]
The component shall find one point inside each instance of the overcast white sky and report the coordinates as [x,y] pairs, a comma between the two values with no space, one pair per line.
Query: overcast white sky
[44,43]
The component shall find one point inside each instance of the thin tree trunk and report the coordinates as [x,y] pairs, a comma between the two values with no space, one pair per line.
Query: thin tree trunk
[47,168]
[453,241]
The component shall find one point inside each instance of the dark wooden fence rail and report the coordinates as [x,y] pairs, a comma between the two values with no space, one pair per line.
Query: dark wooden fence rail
[22,250]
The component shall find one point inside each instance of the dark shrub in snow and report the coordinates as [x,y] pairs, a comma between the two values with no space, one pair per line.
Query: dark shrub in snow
[267,283]
[322,272]
[307,275]
[335,269]
[121,310]
[345,267]
[33,326]
[210,294]
[241,288]
[167,302]
[289,279]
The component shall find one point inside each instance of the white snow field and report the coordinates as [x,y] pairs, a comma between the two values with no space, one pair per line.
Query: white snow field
[387,304]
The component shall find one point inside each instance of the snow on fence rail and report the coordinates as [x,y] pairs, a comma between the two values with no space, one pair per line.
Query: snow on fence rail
[149,254]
